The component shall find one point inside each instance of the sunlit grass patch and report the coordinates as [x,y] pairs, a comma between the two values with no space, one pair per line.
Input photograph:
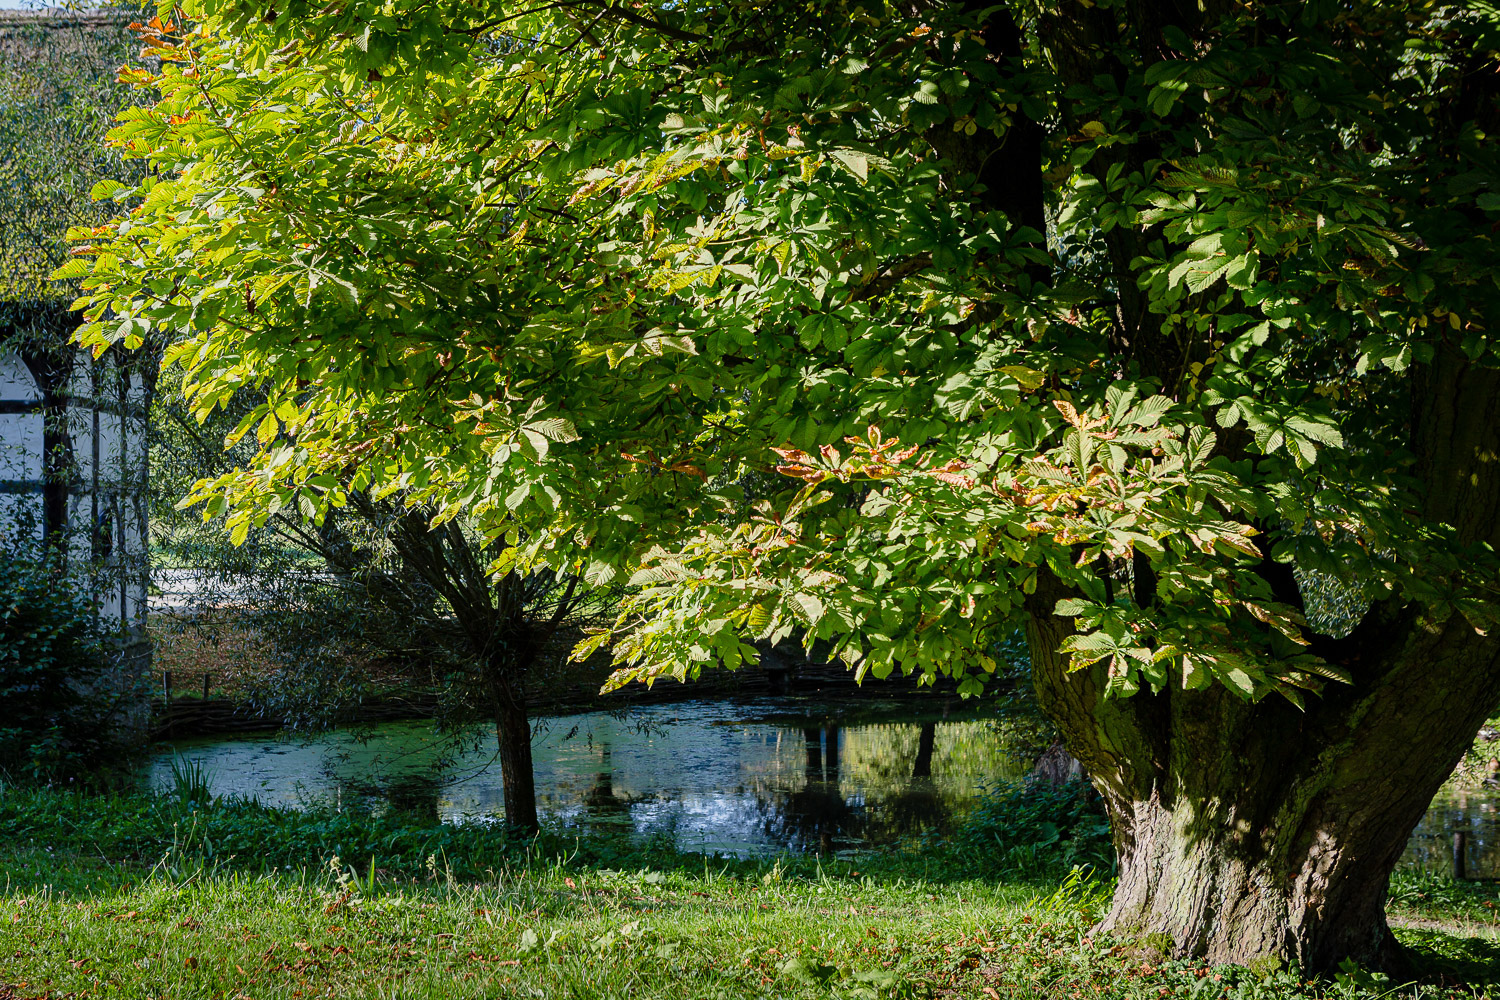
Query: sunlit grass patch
[554,933]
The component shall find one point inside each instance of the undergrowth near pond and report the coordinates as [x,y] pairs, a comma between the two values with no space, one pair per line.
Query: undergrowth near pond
[182,896]
[1017,832]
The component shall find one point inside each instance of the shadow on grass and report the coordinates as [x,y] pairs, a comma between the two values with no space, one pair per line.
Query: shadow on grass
[1452,960]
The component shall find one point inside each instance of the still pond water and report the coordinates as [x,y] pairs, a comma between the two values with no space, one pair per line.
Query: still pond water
[745,778]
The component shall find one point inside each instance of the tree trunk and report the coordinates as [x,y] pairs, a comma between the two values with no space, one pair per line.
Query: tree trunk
[501,634]
[513,729]
[1192,885]
[1255,833]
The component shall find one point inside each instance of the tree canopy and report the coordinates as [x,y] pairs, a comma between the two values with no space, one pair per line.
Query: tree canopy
[58,97]
[577,269]
[894,325]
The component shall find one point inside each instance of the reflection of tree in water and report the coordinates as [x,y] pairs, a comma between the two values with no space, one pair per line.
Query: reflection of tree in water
[603,810]
[415,796]
[827,787]
[1474,813]
[896,793]
[922,777]
[922,767]
[916,805]
[406,771]
[815,816]
[411,795]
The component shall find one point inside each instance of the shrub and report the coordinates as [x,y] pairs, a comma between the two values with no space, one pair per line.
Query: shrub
[54,714]
[1036,829]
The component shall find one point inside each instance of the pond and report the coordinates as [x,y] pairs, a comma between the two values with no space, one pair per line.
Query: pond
[748,777]
[1475,813]
[737,777]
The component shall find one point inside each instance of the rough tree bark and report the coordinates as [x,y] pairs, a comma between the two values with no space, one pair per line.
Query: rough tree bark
[1248,832]
[513,730]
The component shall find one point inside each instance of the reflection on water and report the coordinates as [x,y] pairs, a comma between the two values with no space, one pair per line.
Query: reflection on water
[1472,812]
[746,778]
[738,778]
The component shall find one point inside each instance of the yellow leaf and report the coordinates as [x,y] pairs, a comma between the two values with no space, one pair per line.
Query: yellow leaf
[267,429]
[1069,412]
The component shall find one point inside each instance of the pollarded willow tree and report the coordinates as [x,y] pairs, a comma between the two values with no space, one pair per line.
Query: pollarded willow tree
[1121,320]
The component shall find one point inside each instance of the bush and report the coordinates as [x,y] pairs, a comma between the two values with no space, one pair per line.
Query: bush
[1037,829]
[184,830]
[54,715]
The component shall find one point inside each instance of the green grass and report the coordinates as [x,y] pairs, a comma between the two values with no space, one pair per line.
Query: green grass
[545,933]
[1429,896]
[132,897]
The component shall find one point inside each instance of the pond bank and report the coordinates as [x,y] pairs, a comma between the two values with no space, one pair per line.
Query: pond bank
[182,713]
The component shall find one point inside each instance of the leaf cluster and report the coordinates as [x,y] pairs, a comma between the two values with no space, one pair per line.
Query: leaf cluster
[576,271]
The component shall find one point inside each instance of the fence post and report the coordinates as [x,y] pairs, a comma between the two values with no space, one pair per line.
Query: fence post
[205,686]
[1460,855]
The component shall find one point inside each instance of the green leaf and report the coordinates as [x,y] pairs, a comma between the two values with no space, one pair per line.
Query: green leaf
[810,606]
[1239,682]
[858,163]
[267,430]
[808,971]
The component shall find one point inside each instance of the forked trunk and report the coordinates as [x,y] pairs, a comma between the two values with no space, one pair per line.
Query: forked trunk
[503,640]
[1258,834]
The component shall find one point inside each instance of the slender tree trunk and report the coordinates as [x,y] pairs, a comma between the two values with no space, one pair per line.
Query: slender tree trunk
[513,729]
[502,636]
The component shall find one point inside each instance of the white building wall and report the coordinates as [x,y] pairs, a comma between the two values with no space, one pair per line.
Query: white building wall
[21,446]
[105,473]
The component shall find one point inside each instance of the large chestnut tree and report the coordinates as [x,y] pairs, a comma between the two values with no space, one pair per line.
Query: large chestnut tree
[1143,325]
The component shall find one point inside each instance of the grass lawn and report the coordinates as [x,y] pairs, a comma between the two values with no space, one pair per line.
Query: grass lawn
[86,912]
